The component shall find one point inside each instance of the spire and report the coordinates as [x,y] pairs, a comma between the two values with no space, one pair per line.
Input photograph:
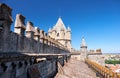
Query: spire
[59,25]
[83,44]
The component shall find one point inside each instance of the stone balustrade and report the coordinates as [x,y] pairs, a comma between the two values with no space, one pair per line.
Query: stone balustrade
[101,70]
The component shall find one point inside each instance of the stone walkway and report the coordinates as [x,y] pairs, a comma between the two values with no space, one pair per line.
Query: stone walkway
[75,69]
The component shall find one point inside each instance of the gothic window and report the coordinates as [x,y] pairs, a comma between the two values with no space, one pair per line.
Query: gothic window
[57,34]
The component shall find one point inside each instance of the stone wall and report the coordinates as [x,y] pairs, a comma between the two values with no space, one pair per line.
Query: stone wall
[28,52]
[25,38]
[24,66]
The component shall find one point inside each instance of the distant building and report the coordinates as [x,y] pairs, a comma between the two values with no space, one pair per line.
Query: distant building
[60,33]
[83,49]
[84,53]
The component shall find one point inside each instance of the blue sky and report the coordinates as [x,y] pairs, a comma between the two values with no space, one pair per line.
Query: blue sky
[97,20]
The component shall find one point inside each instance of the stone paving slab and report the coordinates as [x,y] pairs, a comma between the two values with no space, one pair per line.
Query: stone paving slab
[76,69]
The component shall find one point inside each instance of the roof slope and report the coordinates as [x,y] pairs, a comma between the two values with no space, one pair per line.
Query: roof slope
[59,25]
[83,42]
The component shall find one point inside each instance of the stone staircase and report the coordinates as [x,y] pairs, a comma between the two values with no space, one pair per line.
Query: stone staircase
[75,69]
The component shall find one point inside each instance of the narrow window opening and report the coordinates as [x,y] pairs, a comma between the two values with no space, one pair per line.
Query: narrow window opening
[57,34]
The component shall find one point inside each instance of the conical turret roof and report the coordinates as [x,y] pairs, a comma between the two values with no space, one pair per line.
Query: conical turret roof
[59,25]
[83,42]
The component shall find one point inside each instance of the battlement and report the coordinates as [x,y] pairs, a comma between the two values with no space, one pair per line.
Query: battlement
[95,52]
[26,37]
[27,51]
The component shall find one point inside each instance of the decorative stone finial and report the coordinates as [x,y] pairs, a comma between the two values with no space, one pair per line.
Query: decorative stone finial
[5,13]
[30,26]
[19,22]
[19,25]
[30,30]
[37,33]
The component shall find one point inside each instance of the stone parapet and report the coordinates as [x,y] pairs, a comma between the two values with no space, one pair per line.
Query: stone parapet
[25,38]
[27,52]
[25,65]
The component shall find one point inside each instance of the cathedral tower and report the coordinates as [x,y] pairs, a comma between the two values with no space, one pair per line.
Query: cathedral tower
[83,49]
[83,46]
[61,34]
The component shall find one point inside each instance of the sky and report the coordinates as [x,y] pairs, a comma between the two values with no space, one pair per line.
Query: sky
[98,21]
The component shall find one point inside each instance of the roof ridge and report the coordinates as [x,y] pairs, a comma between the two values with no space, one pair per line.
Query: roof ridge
[59,25]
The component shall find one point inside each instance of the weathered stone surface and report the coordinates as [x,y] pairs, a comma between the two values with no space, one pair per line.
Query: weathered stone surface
[30,26]
[5,22]
[20,21]
[19,52]
[5,13]
[76,69]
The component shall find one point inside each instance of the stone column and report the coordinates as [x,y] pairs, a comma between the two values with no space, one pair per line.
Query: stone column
[5,23]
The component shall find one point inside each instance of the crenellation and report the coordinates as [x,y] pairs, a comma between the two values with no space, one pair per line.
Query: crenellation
[98,51]
[17,47]
[5,13]
[37,34]
[49,40]
[20,25]
[42,33]
[45,38]
[20,21]
[41,36]
[92,51]
[30,30]
[5,24]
